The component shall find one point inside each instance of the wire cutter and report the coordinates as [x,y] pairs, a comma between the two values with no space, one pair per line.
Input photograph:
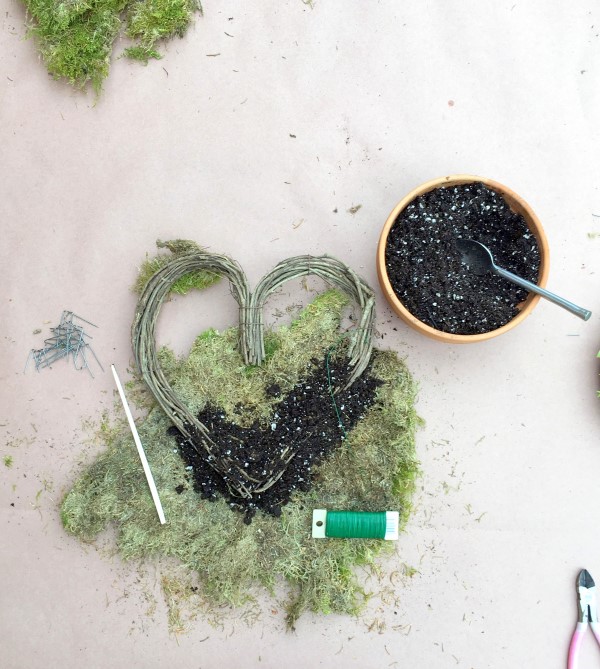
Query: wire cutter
[588,616]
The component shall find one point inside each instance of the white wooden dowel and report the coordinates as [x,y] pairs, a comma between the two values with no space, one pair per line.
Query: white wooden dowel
[140,448]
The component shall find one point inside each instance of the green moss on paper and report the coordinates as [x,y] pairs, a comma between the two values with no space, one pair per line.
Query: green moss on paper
[197,280]
[374,469]
[76,37]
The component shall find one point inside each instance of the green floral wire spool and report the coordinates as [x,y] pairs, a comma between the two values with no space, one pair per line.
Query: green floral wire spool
[355,524]
[342,524]
[189,258]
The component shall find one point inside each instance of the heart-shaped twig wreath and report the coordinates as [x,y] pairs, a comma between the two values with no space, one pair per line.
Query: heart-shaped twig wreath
[239,481]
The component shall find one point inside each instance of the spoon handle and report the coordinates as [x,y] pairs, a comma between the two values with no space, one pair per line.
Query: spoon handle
[534,288]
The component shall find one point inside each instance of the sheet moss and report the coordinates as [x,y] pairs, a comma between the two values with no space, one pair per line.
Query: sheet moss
[76,37]
[373,470]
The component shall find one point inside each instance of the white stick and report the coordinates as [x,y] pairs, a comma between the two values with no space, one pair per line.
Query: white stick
[140,448]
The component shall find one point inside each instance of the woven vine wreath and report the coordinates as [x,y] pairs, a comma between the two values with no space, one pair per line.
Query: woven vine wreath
[241,481]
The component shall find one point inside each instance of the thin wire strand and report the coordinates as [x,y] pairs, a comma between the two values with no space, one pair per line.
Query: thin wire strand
[331,387]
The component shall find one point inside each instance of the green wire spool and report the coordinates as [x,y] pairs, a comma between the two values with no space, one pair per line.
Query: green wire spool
[355,524]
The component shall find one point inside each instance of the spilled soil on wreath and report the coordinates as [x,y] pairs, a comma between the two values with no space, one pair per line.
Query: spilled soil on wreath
[307,420]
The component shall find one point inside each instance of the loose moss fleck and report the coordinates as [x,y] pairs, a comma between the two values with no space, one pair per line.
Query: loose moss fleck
[76,37]
[8,461]
[229,558]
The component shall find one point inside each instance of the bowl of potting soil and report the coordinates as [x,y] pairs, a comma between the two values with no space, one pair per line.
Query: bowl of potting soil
[420,267]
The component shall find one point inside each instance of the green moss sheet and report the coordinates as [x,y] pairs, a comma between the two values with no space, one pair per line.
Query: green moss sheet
[373,470]
[76,37]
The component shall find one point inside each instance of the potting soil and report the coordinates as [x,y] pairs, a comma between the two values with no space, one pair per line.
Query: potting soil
[425,269]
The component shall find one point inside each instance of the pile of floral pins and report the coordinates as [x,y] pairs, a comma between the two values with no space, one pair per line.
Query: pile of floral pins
[68,340]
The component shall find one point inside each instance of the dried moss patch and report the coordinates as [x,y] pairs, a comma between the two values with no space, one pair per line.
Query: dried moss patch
[374,469]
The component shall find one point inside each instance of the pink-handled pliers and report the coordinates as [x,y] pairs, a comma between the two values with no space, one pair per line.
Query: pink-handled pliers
[588,616]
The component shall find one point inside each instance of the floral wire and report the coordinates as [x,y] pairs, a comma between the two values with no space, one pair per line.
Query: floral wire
[330,385]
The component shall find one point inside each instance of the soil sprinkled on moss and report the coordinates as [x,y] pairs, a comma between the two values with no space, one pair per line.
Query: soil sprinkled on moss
[307,421]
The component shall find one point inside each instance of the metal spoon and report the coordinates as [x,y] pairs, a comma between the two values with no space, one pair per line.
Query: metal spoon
[480,259]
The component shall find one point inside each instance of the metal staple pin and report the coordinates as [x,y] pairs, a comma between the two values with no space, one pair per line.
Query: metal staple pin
[83,319]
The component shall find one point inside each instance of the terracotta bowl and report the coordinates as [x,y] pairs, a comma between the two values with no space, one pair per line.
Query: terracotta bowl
[517,204]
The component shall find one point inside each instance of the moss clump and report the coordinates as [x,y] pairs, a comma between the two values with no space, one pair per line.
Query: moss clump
[8,461]
[197,280]
[149,21]
[373,470]
[76,37]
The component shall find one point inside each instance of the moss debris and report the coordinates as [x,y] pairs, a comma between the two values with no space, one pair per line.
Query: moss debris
[228,558]
[76,37]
